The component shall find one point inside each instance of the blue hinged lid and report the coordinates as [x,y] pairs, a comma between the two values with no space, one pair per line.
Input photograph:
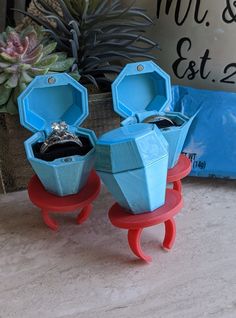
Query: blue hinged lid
[141,87]
[52,98]
[130,147]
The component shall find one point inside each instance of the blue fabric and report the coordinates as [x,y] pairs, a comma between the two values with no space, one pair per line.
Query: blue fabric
[211,141]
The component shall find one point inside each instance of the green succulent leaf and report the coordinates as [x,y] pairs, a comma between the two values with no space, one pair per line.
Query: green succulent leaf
[9,30]
[8,58]
[4,94]
[3,109]
[34,55]
[22,87]
[61,56]
[24,67]
[11,106]
[3,78]
[11,69]
[62,66]
[75,75]
[34,71]
[47,61]
[4,65]
[26,78]
[48,49]
[12,81]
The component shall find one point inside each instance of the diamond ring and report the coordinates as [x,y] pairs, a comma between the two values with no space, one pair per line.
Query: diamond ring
[156,118]
[59,135]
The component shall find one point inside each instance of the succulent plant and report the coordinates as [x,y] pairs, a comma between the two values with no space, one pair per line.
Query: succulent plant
[23,55]
[99,34]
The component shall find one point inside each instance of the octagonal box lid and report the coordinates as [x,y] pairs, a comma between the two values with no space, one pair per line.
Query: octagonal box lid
[130,147]
[52,98]
[141,87]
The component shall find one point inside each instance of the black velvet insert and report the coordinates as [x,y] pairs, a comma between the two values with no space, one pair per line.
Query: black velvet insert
[63,150]
[165,124]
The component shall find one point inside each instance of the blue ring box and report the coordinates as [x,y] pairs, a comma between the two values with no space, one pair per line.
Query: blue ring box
[143,89]
[132,162]
[54,98]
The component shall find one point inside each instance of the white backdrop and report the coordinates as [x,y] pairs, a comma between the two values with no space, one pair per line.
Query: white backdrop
[198,41]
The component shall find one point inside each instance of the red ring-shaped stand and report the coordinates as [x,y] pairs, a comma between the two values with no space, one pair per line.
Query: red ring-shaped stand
[48,202]
[135,224]
[178,172]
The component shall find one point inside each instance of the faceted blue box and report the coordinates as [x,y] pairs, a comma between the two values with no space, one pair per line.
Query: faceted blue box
[132,162]
[54,98]
[142,90]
